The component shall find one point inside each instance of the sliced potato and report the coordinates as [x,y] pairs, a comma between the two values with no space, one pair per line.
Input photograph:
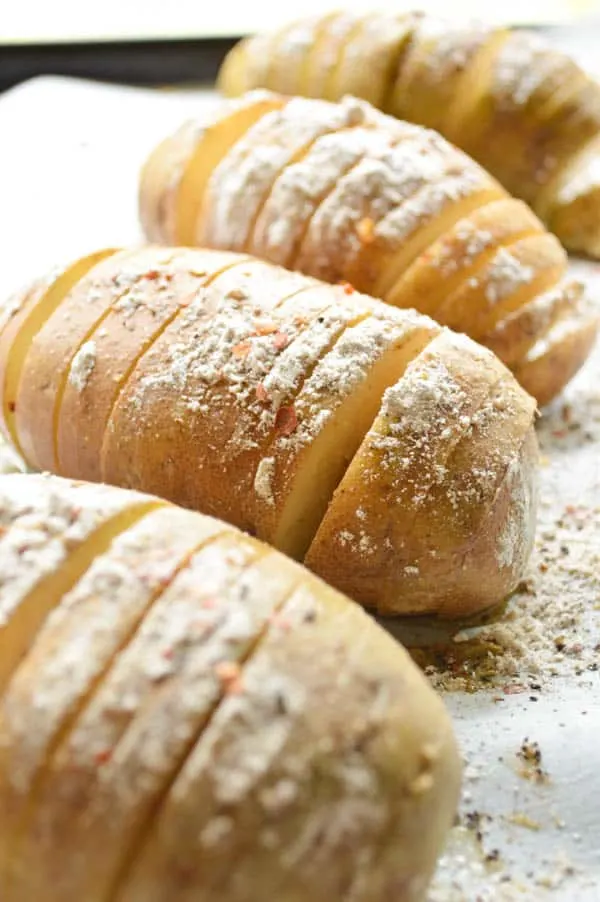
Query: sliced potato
[310,800]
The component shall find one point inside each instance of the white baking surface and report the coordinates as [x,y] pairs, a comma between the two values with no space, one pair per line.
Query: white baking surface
[69,159]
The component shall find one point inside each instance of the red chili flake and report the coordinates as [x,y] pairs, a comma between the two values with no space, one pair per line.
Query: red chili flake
[365,230]
[265,328]
[262,394]
[209,603]
[229,672]
[286,420]
[153,274]
[103,757]
[280,341]
[168,654]
[560,433]
[281,621]
[348,288]
[513,689]
[242,349]
[12,406]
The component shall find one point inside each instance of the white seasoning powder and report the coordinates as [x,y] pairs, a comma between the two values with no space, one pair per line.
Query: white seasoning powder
[263,481]
[83,366]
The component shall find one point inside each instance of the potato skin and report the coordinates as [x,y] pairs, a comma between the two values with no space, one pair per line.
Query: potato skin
[325,744]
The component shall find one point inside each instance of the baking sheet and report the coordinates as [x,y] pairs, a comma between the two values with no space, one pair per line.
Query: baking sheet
[523,688]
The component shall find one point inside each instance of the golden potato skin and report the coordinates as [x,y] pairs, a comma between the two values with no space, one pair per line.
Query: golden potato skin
[344,193]
[255,735]
[522,109]
[286,406]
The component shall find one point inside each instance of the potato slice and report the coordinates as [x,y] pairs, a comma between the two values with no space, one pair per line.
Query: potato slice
[241,183]
[513,336]
[460,253]
[322,66]
[370,59]
[222,389]
[294,49]
[233,77]
[308,791]
[513,276]
[105,781]
[45,548]
[78,644]
[468,106]
[27,314]
[382,538]
[159,180]
[248,65]
[558,355]
[431,72]
[571,203]
[301,470]
[104,362]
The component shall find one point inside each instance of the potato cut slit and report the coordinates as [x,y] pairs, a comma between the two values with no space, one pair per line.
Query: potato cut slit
[40,601]
[147,344]
[320,35]
[132,853]
[447,283]
[561,97]
[332,451]
[331,89]
[395,72]
[34,321]
[213,145]
[548,194]
[423,237]
[71,721]
[472,87]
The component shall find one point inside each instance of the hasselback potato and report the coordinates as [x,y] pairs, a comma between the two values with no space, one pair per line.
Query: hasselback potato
[394,456]
[186,714]
[344,193]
